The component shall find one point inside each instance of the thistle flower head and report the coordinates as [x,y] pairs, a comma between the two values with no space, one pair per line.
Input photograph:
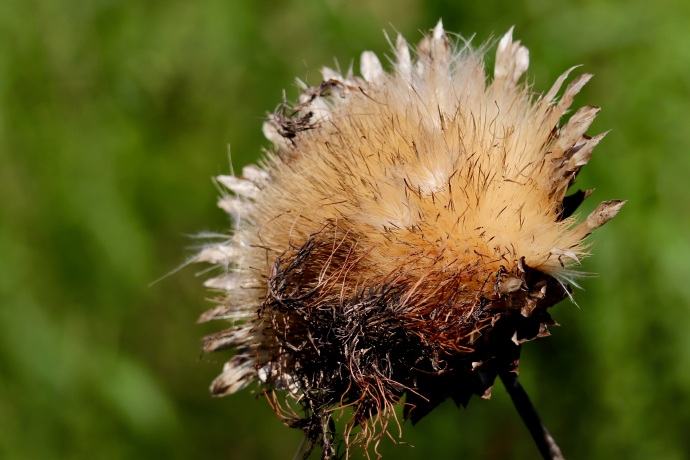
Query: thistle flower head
[407,232]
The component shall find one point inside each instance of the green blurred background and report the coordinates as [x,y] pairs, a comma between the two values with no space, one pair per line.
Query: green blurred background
[114,116]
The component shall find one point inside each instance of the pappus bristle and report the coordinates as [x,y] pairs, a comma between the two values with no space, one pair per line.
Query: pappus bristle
[408,230]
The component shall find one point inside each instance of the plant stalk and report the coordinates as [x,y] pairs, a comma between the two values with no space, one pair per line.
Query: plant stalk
[545,443]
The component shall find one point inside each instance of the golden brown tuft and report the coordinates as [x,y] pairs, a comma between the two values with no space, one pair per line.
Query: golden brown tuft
[406,234]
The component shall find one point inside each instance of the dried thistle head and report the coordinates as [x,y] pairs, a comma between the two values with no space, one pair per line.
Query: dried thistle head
[406,233]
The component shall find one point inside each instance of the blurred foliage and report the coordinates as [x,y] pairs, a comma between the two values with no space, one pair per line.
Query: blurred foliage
[115,115]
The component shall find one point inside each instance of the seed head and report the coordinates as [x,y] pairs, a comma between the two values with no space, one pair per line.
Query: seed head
[405,234]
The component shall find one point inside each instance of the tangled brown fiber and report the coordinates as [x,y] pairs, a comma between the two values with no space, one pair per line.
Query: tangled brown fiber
[366,347]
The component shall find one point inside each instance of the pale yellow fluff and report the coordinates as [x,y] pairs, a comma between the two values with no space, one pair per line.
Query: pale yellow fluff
[427,169]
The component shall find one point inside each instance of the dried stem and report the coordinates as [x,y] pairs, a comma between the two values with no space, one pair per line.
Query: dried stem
[545,443]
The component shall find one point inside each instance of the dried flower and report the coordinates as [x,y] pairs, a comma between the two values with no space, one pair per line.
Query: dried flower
[408,231]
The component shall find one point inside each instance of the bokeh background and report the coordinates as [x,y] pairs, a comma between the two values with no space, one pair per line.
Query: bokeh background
[114,116]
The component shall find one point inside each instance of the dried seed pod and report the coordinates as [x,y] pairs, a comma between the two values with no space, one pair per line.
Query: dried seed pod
[407,232]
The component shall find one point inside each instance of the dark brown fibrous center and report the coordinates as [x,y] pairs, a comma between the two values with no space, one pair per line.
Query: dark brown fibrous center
[363,346]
